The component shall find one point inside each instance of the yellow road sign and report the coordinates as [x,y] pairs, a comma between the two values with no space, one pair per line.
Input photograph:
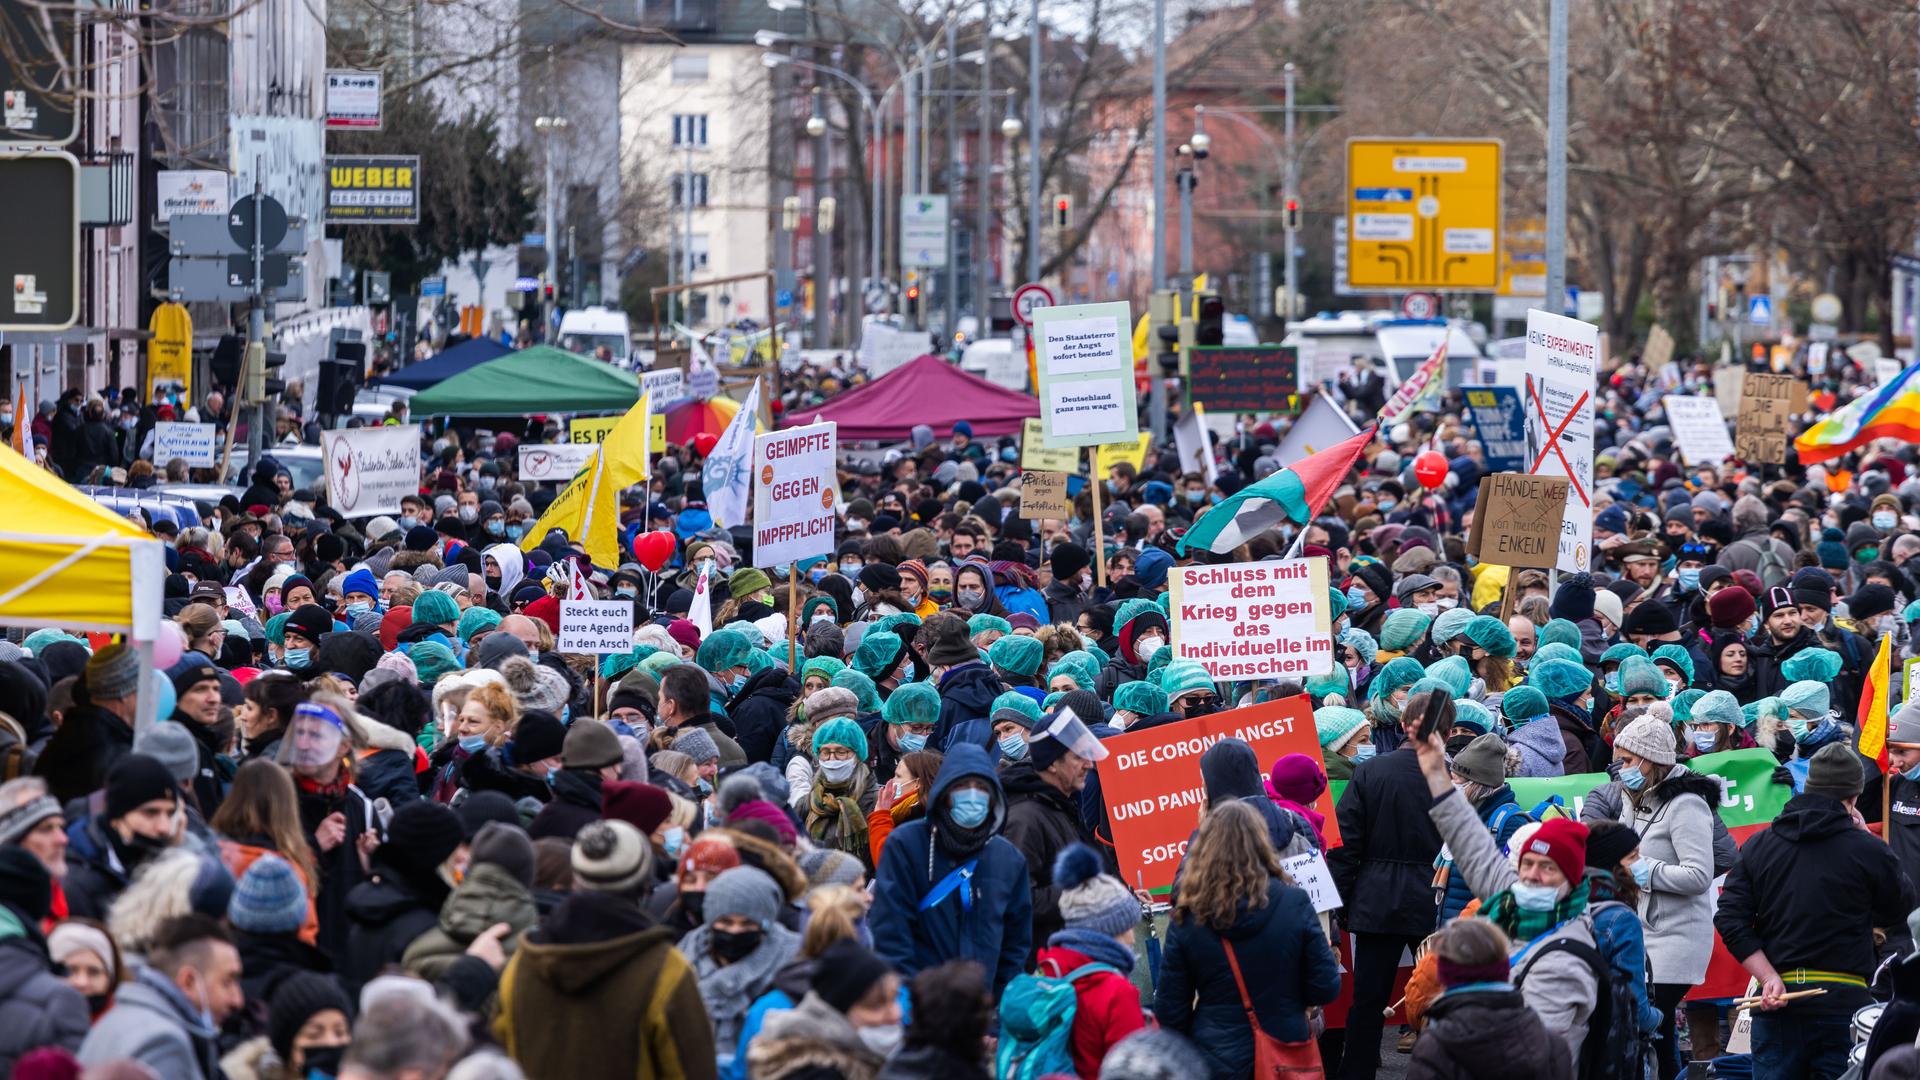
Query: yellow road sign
[1424,214]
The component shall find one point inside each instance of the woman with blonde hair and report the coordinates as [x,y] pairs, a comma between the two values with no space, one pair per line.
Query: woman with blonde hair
[834,914]
[201,626]
[1234,913]
[261,816]
[485,719]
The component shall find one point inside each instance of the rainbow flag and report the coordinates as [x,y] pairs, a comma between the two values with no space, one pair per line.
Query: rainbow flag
[1886,412]
[1875,702]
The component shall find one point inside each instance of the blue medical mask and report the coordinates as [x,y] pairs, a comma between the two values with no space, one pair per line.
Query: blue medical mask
[675,841]
[968,808]
[1196,497]
[736,684]
[1913,774]
[1798,726]
[1364,752]
[516,531]
[354,611]
[473,744]
[298,658]
[1885,520]
[911,743]
[1689,577]
[850,569]
[1534,897]
[706,786]
[496,527]
[1356,597]
[1385,505]
[817,574]
[1642,871]
[1703,741]
[1632,778]
[1013,747]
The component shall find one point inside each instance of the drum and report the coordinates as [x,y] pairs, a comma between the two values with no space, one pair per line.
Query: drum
[1857,1057]
[1863,1022]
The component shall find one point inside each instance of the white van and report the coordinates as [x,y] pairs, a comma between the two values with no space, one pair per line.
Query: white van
[584,330]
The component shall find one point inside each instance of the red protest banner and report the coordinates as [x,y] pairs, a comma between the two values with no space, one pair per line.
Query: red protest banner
[1151,781]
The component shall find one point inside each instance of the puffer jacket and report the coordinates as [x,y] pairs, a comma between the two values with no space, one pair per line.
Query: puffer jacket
[1487,1034]
[1675,822]
[37,1007]
[1384,866]
[486,896]
[813,1039]
[153,1023]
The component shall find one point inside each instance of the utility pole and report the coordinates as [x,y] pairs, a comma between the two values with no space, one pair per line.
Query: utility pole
[255,379]
[1288,200]
[1033,145]
[983,168]
[1557,156]
[953,171]
[1157,379]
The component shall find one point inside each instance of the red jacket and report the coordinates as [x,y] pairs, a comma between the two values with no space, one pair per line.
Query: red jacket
[1106,1009]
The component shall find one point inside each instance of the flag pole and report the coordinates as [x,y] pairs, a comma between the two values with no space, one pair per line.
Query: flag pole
[1099,530]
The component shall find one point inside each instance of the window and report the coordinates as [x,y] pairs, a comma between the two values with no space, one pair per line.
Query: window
[698,247]
[689,129]
[699,189]
[690,67]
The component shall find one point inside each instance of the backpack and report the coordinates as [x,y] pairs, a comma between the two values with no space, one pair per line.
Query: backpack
[1771,570]
[1036,1024]
[13,749]
[1614,1049]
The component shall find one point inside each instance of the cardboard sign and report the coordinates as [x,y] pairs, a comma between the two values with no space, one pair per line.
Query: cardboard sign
[1044,495]
[1728,384]
[1517,520]
[195,443]
[559,461]
[1151,781]
[1244,378]
[1258,620]
[1084,356]
[594,627]
[795,493]
[1659,350]
[590,429]
[1563,359]
[370,469]
[1036,454]
[1134,453]
[1699,429]
[1310,872]
[1768,404]
[1500,424]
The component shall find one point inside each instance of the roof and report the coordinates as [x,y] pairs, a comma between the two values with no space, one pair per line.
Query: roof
[446,363]
[924,391]
[541,379]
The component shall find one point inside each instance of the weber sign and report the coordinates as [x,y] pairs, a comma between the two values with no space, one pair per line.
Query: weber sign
[373,190]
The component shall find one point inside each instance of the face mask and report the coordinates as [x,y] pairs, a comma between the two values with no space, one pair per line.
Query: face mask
[273,604]
[473,744]
[972,598]
[496,527]
[1113,486]
[706,787]
[1689,578]
[734,945]
[859,596]
[694,904]
[354,611]
[1148,645]
[1642,872]
[849,568]
[911,743]
[968,808]
[1534,897]
[1885,519]
[1703,741]
[882,1040]
[857,524]
[97,1003]
[941,596]
[469,514]
[1356,597]
[1866,554]
[675,841]
[297,658]
[1445,603]
[1385,505]
[1196,497]
[325,1060]
[739,682]
[1913,774]
[1430,609]
[1632,778]
[1798,727]
[837,772]
[1364,752]
[623,594]
[515,531]
[1013,747]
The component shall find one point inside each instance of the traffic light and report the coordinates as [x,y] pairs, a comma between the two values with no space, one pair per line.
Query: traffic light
[1210,320]
[341,373]
[913,294]
[272,362]
[1291,221]
[1163,308]
[1063,212]
[226,360]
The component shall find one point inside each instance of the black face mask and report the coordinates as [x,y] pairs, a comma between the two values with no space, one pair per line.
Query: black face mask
[141,849]
[97,1003]
[325,1060]
[735,945]
[694,904]
[493,582]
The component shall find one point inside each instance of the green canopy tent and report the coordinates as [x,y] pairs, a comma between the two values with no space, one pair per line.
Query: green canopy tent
[541,379]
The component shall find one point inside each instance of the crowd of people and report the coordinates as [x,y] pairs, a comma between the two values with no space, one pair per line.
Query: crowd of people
[368,821]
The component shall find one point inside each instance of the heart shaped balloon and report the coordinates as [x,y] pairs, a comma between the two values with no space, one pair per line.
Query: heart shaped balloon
[653,549]
[704,443]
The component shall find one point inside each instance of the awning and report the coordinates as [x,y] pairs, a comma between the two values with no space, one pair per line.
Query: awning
[538,380]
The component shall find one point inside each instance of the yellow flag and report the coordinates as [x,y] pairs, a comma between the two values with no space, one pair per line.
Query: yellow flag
[588,508]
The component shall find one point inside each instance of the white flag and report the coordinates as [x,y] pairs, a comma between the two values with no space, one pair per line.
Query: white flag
[701,613]
[730,465]
[577,582]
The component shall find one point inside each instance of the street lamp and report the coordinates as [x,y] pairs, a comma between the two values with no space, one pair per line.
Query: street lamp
[1200,140]
[1010,126]
[548,127]
[817,122]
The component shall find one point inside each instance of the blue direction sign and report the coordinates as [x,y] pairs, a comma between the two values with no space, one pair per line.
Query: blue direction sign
[1383,194]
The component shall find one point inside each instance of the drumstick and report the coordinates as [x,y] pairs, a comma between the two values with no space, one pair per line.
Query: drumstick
[1388,1011]
[1796,995]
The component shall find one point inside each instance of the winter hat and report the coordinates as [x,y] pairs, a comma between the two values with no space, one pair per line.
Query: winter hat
[1606,847]
[549,693]
[1069,559]
[1017,654]
[1561,679]
[1451,623]
[847,972]
[830,866]
[112,673]
[1140,698]
[1523,703]
[1336,724]
[1651,617]
[612,857]
[834,702]
[191,672]
[1834,771]
[1811,586]
[422,833]
[746,891]
[723,649]
[1639,675]
[749,580]
[1298,778]
[1559,630]
[1777,597]
[136,780]
[1869,601]
[435,608]
[641,805]
[1185,677]
[947,643]
[590,744]
[1483,761]
[1808,698]
[697,744]
[481,807]
[1155,1053]
[537,736]
[1563,840]
[767,813]
[1606,602]
[1649,737]
[1904,730]
[360,581]
[172,745]
[507,847]
[1090,899]
[1819,665]
[878,655]
[1832,549]
[1574,601]
[840,731]
[1489,633]
[495,650]
[298,998]
[269,899]
[1016,707]
[914,703]
[1402,629]
[17,822]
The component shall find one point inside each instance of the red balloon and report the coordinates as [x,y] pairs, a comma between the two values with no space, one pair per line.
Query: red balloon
[776,406]
[704,442]
[1430,469]
[653,549]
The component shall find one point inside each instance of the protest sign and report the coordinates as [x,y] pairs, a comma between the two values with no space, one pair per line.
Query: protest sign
[238,600]
[1151,781]
[1517,520]
[1729,381]
[1563,361]
[1310,872]
[595,627]
[1817,358]
[1768,404]
[1084,356]
[558,461]
[1133,452]
[882,348]
[1259,620]
[1044,495]
[1036,454]
[590,429]
[1244,378]
[1191,441]
[663,386]
[794,494]
[1500,424]
[1659,350]
[370,469]
[1699,429]
[1322,423]
[193,443]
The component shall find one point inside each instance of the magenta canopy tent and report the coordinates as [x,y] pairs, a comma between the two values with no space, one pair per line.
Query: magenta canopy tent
[924,391]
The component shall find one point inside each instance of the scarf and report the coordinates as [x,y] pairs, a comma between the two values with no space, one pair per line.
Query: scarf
[834,810]
[1522,925]
[1095,946]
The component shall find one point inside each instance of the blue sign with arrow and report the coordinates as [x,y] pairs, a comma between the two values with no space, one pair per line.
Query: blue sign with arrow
[1383,194]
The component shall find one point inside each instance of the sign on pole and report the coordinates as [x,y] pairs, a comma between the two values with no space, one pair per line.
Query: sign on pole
[1424,214]
[795,491]
[370,469]
[1322,424]
[1044,495]
[1563,361]
[1500,425]
[353,100]
[1133,453]
[923,230]
[1036,454]
[1244,378]
[40,240]
[1699,429]
[1259,620]
[193,443]
[373,190]
[189,191]
[1768,404]
[595,627]
[663,386]
[590,429]
[558,461]
[1517,520]
[170,351]
[882,348]
[1029,298]
[1084,353]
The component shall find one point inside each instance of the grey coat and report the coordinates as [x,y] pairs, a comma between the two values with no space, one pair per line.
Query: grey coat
[36,1008]
[1558,986]
[1676,825]
[153,1023]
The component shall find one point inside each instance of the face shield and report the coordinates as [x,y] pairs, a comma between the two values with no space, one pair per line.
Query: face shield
[1065,728]
[316,734]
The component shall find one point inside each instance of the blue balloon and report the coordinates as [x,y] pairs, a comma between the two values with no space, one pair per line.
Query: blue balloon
[162,695]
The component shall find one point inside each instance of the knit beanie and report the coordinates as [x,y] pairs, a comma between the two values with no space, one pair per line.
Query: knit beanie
[136,780]
[1483,761]
[507,847]
[947,643]
[1564,841]
[767,813]
[298,998]
[1017,654]
[1649,737]
[16,822]
[1730,607]
[746,581]
[171,744]
[1522,703]
[1834,771]
[590,744]
[269,898]
[641,805]
[833,702]
[1831,550]
[846,974]
[1606,847]
[746,891]
[840,731]
[1090,899]
[1573,602]
[112,673]
[612,857]
[830,866]
[537,736]
[697,744]
[435,608]
[422,833]
[824,666]
[1336,724]
[914,703]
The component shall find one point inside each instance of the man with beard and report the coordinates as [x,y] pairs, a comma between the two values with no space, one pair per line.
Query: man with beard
[1781,636]
[141,819]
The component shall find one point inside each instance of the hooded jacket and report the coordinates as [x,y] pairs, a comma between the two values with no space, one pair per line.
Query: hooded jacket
[966,705]
[1487,1034]
[1230,770]
[1041,821]
[37,1007]
[1542,750]
[996,929]
[759,710]
[813,1039]
[87,744]
[1384,866]
[597,992]
[488,895]
[1286,964]
[385,916]
[577,800]
[153,1023]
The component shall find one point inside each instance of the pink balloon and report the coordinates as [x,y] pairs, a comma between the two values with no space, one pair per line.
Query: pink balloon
[168,645]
